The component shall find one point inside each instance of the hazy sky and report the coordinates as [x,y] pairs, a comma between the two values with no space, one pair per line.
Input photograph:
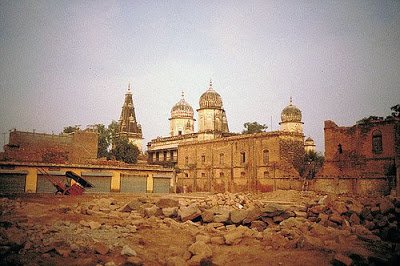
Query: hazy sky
[70,62]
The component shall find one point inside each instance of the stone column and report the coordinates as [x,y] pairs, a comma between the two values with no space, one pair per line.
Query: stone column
[116,181]
[31,180]
[150,183]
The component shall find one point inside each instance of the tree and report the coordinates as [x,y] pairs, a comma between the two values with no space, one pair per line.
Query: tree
[253,127]
[125,151]
[71,129]
[395,110]
[312,163]
[112,131]
[103,141]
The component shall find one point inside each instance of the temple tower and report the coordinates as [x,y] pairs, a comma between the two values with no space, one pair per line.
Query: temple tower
[212,117]
[181,121]
[309,145]
[291,119]
[127,125]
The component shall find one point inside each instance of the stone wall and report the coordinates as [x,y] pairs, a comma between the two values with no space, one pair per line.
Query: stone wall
[78,147]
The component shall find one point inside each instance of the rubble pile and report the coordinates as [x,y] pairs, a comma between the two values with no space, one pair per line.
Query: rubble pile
[109,231]
[380,216]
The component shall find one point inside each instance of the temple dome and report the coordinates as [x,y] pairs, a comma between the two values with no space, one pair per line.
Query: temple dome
[210,99]
[182,110]
[291,113]
[309,141]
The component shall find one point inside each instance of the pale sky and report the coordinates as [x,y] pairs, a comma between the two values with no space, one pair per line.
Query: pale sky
[69,62]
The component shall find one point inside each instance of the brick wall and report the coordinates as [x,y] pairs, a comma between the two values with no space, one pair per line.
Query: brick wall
[78,147]
[357,158]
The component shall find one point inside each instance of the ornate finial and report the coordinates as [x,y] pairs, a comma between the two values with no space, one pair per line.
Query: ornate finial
[183,95]
[290,100]
[129,87]
[210,83]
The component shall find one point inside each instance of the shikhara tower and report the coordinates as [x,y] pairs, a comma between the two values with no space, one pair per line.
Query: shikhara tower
[127,125]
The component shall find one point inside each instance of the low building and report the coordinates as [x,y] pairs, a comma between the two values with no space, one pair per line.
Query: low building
[31,177]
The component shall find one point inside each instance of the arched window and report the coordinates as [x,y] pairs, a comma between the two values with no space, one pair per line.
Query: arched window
[266,156]
[221,175]
[242,157]
[377,146]
[266,174]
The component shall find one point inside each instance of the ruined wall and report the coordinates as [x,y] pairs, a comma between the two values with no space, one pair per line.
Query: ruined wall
[78,147]
[349,185]
[358,157]
[239,163]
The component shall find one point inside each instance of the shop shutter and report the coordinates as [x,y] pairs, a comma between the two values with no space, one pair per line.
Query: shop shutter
[12,183]
[101,181]
[133,184]
[45,186]
[161,184]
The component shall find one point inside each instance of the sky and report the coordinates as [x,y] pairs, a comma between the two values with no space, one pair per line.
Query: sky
[70,62]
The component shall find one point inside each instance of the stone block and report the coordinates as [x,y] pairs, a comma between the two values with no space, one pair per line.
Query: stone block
[341,259]
[207,216]
[221,215]
[188,213]
[258,225]
[386,206]
[237,216]
[128,251]
[101,248]
[167,203]
[233,237]
[170,211]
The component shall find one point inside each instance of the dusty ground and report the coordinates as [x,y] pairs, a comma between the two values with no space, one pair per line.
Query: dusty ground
[93,230]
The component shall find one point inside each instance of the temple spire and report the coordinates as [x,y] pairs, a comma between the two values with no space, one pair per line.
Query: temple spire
[127,125]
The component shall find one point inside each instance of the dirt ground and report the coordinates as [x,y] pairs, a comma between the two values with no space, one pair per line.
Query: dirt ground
[46,229]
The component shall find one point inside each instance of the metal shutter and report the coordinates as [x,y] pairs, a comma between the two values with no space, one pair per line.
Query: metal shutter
[161,184]
[131,183]
[12,183]
[100,180]
[45,186]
